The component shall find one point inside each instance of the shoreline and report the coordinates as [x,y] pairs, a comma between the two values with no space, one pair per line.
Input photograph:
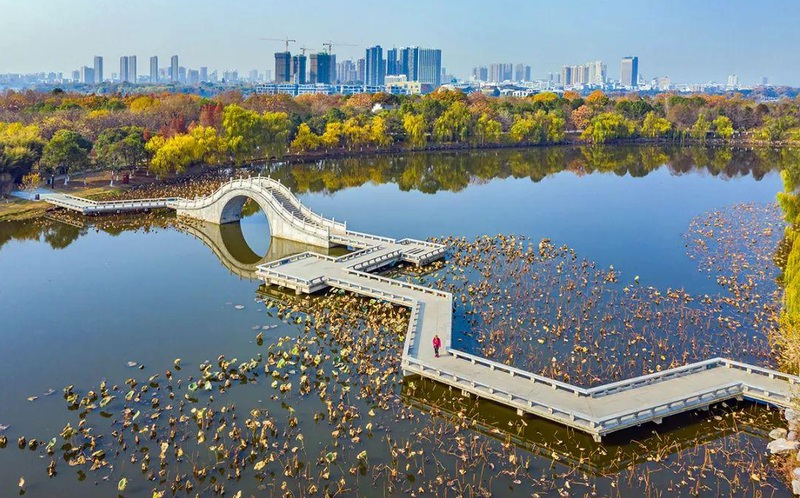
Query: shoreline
[18,210]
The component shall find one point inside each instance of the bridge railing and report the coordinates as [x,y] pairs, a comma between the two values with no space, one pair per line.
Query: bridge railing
[516,372]
[772,374]
[368,236]
[569,417]
[358,254]
[432,245]
[687,401]
[254,184]
[400,283]
[302,207]
[378,260]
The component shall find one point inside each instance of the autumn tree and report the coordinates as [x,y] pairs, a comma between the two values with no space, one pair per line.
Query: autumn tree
[20,149]
[414,124]
[723,127]
[305,140]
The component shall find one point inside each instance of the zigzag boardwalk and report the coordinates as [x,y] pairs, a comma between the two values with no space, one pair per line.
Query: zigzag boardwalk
[597,411]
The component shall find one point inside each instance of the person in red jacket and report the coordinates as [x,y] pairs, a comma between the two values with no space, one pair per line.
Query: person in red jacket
[437,343]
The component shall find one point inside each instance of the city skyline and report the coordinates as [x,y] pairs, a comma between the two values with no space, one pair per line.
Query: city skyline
[540,34]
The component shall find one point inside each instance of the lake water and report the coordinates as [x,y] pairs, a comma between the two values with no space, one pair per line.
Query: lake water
[77,304]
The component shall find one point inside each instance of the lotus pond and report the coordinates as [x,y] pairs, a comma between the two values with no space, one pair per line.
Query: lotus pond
[140,357]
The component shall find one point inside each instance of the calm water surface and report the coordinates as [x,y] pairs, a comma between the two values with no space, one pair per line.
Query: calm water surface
[78,304]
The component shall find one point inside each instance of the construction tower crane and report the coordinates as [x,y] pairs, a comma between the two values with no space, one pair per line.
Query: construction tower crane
[286,40]
[329,46]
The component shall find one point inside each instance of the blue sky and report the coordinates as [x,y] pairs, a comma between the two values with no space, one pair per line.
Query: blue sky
[697,40]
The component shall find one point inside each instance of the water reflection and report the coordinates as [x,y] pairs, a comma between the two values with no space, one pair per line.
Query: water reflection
[454,171]
[229,245]
[575,449]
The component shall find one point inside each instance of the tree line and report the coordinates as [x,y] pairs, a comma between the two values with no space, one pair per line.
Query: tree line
[59,132]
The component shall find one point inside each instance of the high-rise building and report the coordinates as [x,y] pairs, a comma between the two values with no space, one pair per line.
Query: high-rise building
[194,77]
[333,78]
[123,69]
[133,74]
[174,69]
[76,76]
[528,73]
[154,69]
[733,80]
[629,72]
[500,72]
[597,73]
[519,72]
[203,73]
[98,69]
[346,71]
[566,75]
[392,62]
[299,69]
[417,64]
[268,75]
[374,71]
[87,75]
[320,68]
[361,69]
[181,74]
[283,67]
[428,66]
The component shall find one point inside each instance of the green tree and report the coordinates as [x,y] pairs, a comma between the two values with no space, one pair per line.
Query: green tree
[655,126]
[538,128]
[487,130]
[67,151]
[454,124]
[608,126]
[248,133]
[723,127]
[122,147]
[700,128]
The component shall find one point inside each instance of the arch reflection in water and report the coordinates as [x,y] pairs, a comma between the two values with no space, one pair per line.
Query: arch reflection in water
[229,245]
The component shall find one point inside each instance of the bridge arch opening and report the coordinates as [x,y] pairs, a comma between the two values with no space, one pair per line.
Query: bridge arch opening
[246,229]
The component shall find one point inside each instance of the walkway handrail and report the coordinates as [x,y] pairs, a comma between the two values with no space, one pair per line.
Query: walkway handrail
[516,372]
[407,241]
[366,236]
[400,283]
[693,399]
[303,208]
[574,416]
[378,259]
[791,379]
